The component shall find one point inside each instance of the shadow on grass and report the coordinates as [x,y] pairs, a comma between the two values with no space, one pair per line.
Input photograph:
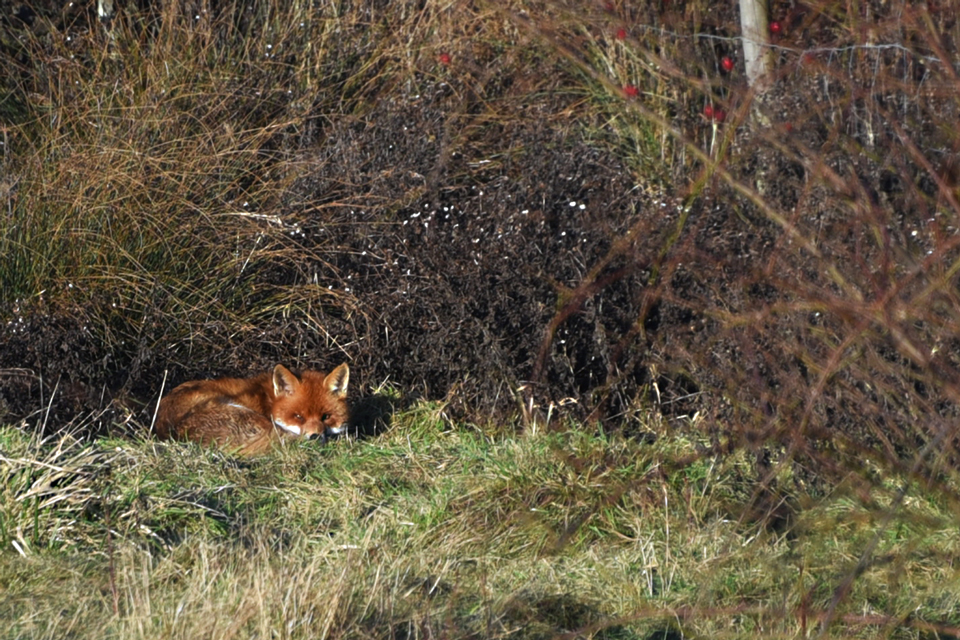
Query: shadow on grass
[372,415]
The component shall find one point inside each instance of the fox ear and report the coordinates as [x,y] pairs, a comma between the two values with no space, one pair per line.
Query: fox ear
[284,382]
[337,380]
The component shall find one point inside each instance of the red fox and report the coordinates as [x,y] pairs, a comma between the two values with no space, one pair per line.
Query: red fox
[249,415]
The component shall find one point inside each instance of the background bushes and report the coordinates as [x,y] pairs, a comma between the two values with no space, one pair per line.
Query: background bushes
[526,210]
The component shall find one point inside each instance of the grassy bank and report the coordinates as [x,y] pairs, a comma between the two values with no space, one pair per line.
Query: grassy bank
[429,531]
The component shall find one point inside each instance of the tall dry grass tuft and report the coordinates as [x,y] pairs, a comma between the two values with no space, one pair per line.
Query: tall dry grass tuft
[147,173]
[151,169]
[51,484]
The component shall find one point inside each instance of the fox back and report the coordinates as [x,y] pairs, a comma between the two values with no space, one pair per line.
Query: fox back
[249,415]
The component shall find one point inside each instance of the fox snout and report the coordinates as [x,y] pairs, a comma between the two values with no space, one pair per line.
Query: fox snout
[323,433]
[330,433]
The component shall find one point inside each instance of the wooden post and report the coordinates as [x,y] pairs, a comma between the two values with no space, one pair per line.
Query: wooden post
[757,55]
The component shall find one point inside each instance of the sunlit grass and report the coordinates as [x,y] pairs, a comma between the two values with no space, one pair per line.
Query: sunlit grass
[428,529]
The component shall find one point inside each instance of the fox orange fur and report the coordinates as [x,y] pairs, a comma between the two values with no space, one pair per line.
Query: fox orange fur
[250,415]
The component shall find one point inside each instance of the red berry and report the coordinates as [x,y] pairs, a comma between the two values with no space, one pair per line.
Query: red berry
[788,126]
[775,28]
[444,58]
[608,6]
[719,115]
[727,64]
[630,91]
[708,111]
[621,34]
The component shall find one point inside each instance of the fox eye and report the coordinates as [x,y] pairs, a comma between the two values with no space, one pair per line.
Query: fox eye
[324,417]
[298,417]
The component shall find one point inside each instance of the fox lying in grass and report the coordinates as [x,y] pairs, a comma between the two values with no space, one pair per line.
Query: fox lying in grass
[250,415]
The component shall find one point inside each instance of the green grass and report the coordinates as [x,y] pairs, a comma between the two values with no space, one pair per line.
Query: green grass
[430,531]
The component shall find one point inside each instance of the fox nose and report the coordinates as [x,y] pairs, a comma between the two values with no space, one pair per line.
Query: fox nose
[331,433]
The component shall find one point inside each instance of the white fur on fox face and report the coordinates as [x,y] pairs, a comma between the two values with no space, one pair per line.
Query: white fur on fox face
[289,428]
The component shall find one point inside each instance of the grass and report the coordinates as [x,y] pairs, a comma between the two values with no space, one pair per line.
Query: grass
[429,531]
[152,176]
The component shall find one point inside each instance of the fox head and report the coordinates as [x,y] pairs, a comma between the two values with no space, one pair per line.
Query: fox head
[312,405]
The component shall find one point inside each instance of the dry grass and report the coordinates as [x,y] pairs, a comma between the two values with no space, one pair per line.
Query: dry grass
[428,531]
[154,173]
